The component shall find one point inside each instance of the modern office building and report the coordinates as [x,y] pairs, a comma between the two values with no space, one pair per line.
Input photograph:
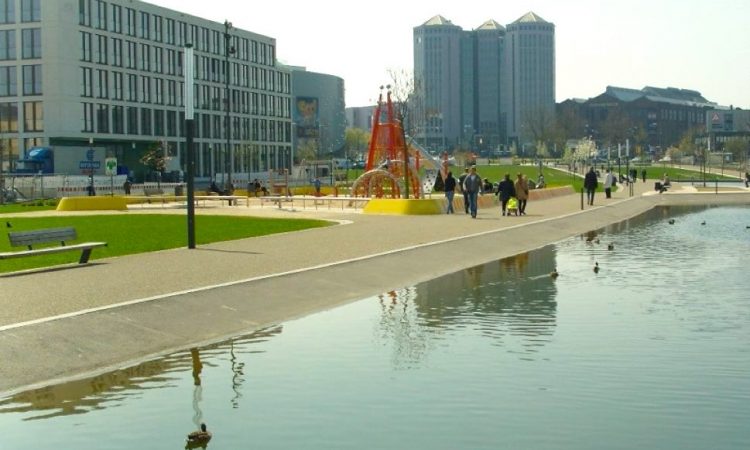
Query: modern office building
[318,113]
[530,77]
[480,89]
[360,117]
[108,76]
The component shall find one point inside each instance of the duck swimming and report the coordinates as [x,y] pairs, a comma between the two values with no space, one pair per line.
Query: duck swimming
[671,221]
[554,273]
[198,438]
[596,267]
[610,246]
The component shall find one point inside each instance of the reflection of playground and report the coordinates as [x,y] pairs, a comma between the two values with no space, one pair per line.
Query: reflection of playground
[511,300]
[114,388]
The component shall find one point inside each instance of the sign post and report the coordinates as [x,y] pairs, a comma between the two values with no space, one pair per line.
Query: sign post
[110,164]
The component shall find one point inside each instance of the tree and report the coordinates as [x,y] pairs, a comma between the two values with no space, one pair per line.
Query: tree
[538,124]
[156,158]
[356,140]
[738,148]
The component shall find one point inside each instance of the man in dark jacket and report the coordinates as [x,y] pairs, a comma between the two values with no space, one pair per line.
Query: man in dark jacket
[472,187]
[461,180]
[590,183]
[450,188]
[505,190]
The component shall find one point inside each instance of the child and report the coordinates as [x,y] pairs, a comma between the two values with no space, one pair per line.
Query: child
[512,206]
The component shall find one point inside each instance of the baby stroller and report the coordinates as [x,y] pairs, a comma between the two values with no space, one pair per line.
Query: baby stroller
[512,206]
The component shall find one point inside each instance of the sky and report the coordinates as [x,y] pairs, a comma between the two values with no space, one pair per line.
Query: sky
[688,44]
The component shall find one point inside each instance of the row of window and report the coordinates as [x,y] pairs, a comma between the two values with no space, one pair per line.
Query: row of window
[31,44]
[151,58]
[131,87]
[31,11]
[100,15]
[133,120]
[33,119]
[32,80]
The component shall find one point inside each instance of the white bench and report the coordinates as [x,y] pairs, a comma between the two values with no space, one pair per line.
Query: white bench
[47,236]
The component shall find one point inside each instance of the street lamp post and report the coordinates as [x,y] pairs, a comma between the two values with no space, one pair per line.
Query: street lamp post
[228,49]
[90,158]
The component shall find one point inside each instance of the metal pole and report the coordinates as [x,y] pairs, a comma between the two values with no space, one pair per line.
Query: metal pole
[190,154]
[228,152]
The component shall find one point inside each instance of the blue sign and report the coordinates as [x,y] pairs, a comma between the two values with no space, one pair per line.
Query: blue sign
[89,164]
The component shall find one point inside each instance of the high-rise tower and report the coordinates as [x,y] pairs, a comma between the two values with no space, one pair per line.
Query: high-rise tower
[530,80]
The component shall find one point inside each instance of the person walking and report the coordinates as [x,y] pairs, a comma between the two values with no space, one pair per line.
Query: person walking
[450,190]
[505,190]
[590,183]
[461,180]
[608,182]
[472,188]
[522,193]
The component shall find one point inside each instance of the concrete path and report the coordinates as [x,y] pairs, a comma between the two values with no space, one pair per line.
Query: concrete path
[77,321]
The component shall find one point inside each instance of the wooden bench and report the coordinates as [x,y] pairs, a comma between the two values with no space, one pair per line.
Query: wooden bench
[47,236]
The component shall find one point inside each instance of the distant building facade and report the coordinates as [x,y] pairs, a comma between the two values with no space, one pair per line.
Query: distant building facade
[657,117]
[318,112]
[478,88]
[360,117]
[112,72]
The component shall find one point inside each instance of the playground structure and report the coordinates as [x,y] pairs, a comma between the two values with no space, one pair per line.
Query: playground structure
[393,164]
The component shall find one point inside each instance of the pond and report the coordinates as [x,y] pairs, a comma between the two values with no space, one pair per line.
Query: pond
[651,351]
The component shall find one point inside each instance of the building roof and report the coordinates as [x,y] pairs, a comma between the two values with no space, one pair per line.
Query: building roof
[672,95]
[437,20]
[491,25]
[530,17]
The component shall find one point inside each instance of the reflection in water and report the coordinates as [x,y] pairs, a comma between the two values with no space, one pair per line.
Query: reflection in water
[197,387]
[114,388]
[513,297]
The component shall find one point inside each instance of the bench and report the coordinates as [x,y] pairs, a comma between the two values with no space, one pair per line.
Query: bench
[47,236]
[150,192]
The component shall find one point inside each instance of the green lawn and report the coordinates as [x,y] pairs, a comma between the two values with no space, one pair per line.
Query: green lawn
[37,205]
[140,233]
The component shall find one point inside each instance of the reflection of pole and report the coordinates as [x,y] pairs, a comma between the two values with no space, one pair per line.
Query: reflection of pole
[198,389]
[190,153]
[236,376]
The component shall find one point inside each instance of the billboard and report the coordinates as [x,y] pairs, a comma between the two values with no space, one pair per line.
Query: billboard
[306,117]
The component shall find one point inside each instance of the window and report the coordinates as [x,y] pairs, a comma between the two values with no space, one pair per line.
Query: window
[132,120]
[170,32]
[7,11]
[144,30]
[171,123]
[33,119]
[117,52]
[159,91]
[131,57]
[7,45]
[102,118]
[101,15]
[130,21]
[158,122]
[32,43]
[117,18]
[158,60]
[171,62]
[31,11]
[118,120]
[132,88]
[84,12]
[145,121]
[118,86]
[145,89]
[171,92]
[88,117]
[8,117]
[86,46]
[145,57]
[103,77]
[87,78]
[158,33]
[101,49]
[8,85]
[32,80]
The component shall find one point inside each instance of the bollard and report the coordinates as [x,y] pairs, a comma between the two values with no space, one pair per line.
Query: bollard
[582,198]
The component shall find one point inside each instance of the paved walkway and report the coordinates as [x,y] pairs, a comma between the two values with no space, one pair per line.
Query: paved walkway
[57,324]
